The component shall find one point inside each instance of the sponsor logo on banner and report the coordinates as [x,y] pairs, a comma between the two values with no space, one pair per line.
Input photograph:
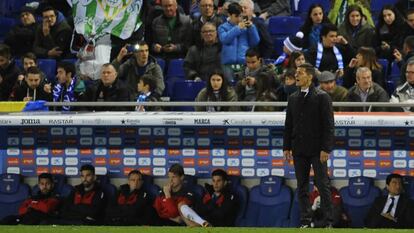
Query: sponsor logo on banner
[100,151]
[385,163]
[86,131]
[277,153]
[189,152]
[129,151]
[203,162]
[159,141]
[233,162]
[411,154]
[130,161]
[101,170]
[384,153]
[370,173]
[12,161]
[262,172]
[233,172]
[248,142]
[340,143]
[370,143]
[411,133]
[145,170]
[278,162]
[28,161]
[56,161]
[247,152]
[278,172]
[398,163]
[278,142]
[174,141]
[27,131]
[174,131]
[28,152]
[219,132]
[144,152]
[27,141]
[188,141]
[13,170]
[71,131]
[115,141]
[130,131]
[384,143]
[369,163]
[159,162]
[400,154]
[71,161]
[174,152]
[218,152]
[263,163]
[355,153]
[233,152]
[354,132]
[248,163]
[144,131]
[354,163]
[262,142]
[241,122]
[202,121]
[218,162]
[5,122]
[233,132]
[233,141]
[71,151]
[72,171]
[143,141]
[13,141]
[384,133]
[411,163]
[85,141]
[71,141]
[203,141]
[158,171]
[345,122]
[13,151]
[115,161]
[339,153]
[60,122]
[131,121]
[263,132]
[56,131]
[115,151]
[158,131]
[354,142]
[144,161]
[248,132]
[203,152]
[159,152]
[40,170]
[263,153]
[218,141]
[339,173]
[190,171]
[203,131]
[57,170]
[354,172]
[340,132]
[100,161]
[30,121]
[339,163]
[370,153]
[100,141]
[42,161]
[247,172]
[42,151]
[85,151]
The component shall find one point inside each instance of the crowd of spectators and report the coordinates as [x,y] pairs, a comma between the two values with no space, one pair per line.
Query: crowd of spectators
[217,40]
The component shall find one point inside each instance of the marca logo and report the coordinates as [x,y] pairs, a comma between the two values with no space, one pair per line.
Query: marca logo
[384,153]
[339,173]
[278,172]
[144,152]
[233,152]
[100,161]
[398,163]
[115,141]
[130,161]
[159,161]
[262,172]
[188,141]
[144,161]
[158,171]
[28,161]
[277,142]
[278,162]
[56,161]
[385,163]
[247,152]
[12,161]
[201,121]
[13,151]
[174,141]
[13,141]
[29,152]
[13,170]
[262,142]
[218,152]
[203,132]
[30,121]
[218,162]
[115,161]
[233,132]
[233,162]
[277,153]
[42,161]
[41,170]
[57,170]
[248,163]
[400,154]
[203,162]
[189,162]
[86,131]
[129,151]
[174,152]
[203,141]
[71,151]
[354,172]
[355,153]
[85,141]
[370,153]
[189,152]
[56,131]
[248,172]
[71,161]
[233,172]
[370,163]
[262,153]
[100,151]
[339,153]
[370,173]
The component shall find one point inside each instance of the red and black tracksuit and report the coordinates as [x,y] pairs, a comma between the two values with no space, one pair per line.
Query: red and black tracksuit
[168,207]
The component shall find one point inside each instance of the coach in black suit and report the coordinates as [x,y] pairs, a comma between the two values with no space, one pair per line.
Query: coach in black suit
[308,139]
[394,210]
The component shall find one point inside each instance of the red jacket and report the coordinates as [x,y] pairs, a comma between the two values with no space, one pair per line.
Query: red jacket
[168,207]
[42,204]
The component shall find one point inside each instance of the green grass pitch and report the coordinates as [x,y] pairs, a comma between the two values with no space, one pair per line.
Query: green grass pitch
[111,229]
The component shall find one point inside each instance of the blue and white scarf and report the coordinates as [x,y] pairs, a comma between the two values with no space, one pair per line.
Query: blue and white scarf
[338,56]
[280,59]
[142,98]
[69,95]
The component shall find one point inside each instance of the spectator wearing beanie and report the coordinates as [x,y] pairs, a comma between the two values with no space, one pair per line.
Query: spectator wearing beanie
[290,44]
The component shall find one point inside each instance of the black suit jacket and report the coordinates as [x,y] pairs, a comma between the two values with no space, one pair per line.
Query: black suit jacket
[403,214]
[309,124]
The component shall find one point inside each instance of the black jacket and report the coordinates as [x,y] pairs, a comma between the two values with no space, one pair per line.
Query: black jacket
[117,92]
[329,61]
[23,90]
[9,77]
[20,39]
[309,124]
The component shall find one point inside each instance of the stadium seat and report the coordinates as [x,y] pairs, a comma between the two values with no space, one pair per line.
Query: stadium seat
[384,63]
[108,188]
[149,186]
[190,182]
[5,25]
[161,63]
[12,194]
[70,60]
[377,5]
[303,6]
[269,203]
[185,90]
[358,197]
[294,218]
[242,194]
[278,45]
[48,66]
[284,26]
[62,188]
[175,69]
[395,71]
[409,186]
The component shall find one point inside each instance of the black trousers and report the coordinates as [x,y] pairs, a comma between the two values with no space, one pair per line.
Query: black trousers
[302,168]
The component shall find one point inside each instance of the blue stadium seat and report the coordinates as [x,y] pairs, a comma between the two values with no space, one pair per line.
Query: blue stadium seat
[358,197]
[278,45]
[377,5]
[284,25]
[242,194]
[161,63]
[5,25]
[384,63]
[294,218]
[409,186]
[108,188]
[190,182]
[304,5]
[48,66]
[186,90]
[62,188]
[269,203]
[175,69]
[395,71]
[70,60]
[12,194]
[149,186]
